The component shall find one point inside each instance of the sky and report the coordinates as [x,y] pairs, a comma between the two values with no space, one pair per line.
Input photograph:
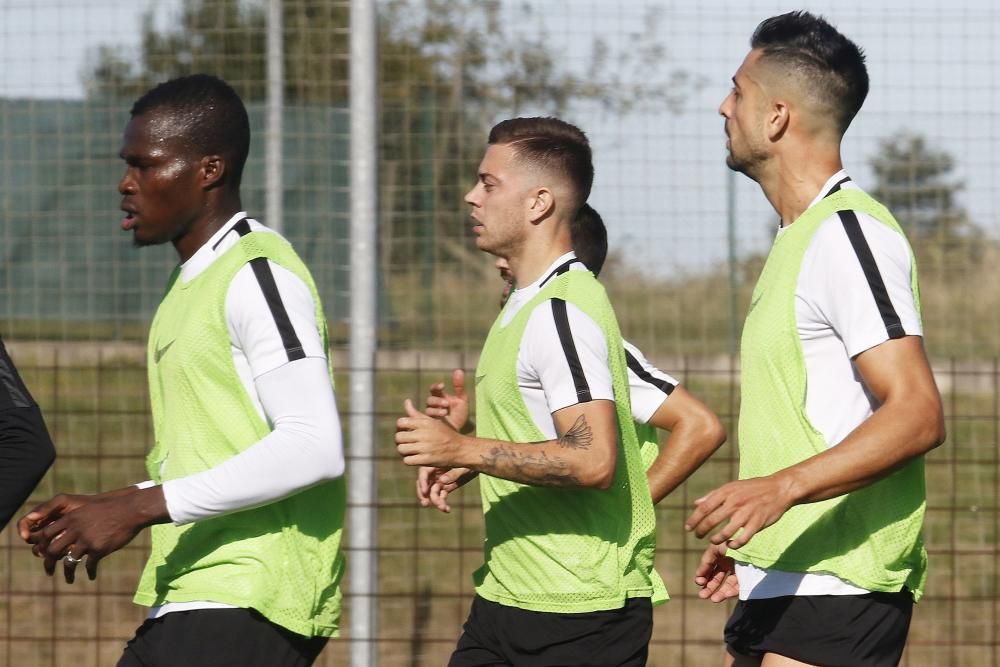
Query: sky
[661,181]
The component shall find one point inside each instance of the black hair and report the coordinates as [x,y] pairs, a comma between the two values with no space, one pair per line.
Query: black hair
[833,64]
[590,238]
[208,115]
[550,144]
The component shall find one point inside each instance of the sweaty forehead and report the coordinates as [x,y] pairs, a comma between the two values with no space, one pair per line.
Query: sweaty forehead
[157,131]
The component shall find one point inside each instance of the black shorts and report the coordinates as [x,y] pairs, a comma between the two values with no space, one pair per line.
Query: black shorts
[496,634]
[828,630]
[218,638]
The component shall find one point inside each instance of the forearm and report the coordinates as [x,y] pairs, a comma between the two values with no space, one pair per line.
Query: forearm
[569,460]
[687,447]
[895,434]
[149,504]
[276,467]
[304,449]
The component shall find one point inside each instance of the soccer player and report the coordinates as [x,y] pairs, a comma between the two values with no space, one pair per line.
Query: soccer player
[839,405]
[695,431]
[246,503]
[26,450]
[568,572]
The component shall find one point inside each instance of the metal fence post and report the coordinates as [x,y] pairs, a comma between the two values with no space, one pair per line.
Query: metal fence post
[362,492]
[275,111]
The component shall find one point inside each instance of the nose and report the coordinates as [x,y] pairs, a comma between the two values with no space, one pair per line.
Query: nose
[470,196]
[126,185]
[724,106]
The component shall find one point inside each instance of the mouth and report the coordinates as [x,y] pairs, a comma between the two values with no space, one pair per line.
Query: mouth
[130,219]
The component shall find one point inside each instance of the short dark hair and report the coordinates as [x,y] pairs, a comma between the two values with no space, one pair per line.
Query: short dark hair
[834,65]
[553,145]
[590,238]
[209,115]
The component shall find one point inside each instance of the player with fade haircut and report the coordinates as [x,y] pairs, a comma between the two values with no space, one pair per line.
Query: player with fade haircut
[246,501]
[570,532]
[838,402]
[695,431]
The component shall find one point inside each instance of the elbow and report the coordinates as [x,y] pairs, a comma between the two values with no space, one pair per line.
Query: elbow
[705,430]
[337,467]
[935,434]
[601,474]
[330,462]
[929,428]
[48,455]
[713,433]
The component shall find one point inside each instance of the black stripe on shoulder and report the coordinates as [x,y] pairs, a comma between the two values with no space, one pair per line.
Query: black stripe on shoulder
[293,347]
[836,186]
[242,228]
[561,318]
[893,325]
[559,270]
[646,376]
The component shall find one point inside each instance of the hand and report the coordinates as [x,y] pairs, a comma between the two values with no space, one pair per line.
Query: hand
[426,441]
[742,509]
[41,517]
[452,408]
[434,485]
[716,574]
[91,526]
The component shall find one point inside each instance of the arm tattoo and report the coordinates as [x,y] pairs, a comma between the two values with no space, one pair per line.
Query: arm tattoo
[521,464]
[579,435]
[517,463]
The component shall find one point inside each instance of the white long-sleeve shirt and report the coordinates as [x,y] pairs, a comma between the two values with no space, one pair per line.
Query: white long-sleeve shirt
[295,398]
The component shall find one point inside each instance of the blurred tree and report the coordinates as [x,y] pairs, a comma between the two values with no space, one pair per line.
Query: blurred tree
[915,181]
[448,69]
[956,257]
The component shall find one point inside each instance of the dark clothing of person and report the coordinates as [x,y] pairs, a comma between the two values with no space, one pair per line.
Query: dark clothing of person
[26,450]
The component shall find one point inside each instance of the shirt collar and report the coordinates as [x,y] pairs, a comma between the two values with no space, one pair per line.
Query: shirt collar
[547,273]
[209,250]
[825,190]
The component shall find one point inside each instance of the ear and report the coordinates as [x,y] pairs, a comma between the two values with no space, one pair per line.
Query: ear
[778,118]
[540,205]
[213,168]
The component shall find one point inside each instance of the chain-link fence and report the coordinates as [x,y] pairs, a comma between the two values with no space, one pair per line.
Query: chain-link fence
[644,79]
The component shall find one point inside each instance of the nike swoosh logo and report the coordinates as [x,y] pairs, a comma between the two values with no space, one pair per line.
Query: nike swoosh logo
[162,351]
[480,378]
[753,304]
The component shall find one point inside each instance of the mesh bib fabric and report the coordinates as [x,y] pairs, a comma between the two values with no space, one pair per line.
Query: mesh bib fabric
[870,537]
[561,549]
[282,559]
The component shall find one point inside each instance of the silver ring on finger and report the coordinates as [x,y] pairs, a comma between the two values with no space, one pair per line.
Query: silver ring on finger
[71,560]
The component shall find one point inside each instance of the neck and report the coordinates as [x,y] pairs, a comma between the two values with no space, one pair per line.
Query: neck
[795,179]
[213,216]
[531,260]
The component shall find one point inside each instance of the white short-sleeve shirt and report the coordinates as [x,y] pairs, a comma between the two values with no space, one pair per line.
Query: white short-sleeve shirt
[847,300]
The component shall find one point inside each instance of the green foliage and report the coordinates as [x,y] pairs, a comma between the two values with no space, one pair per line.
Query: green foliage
[916,181]
[447,70]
